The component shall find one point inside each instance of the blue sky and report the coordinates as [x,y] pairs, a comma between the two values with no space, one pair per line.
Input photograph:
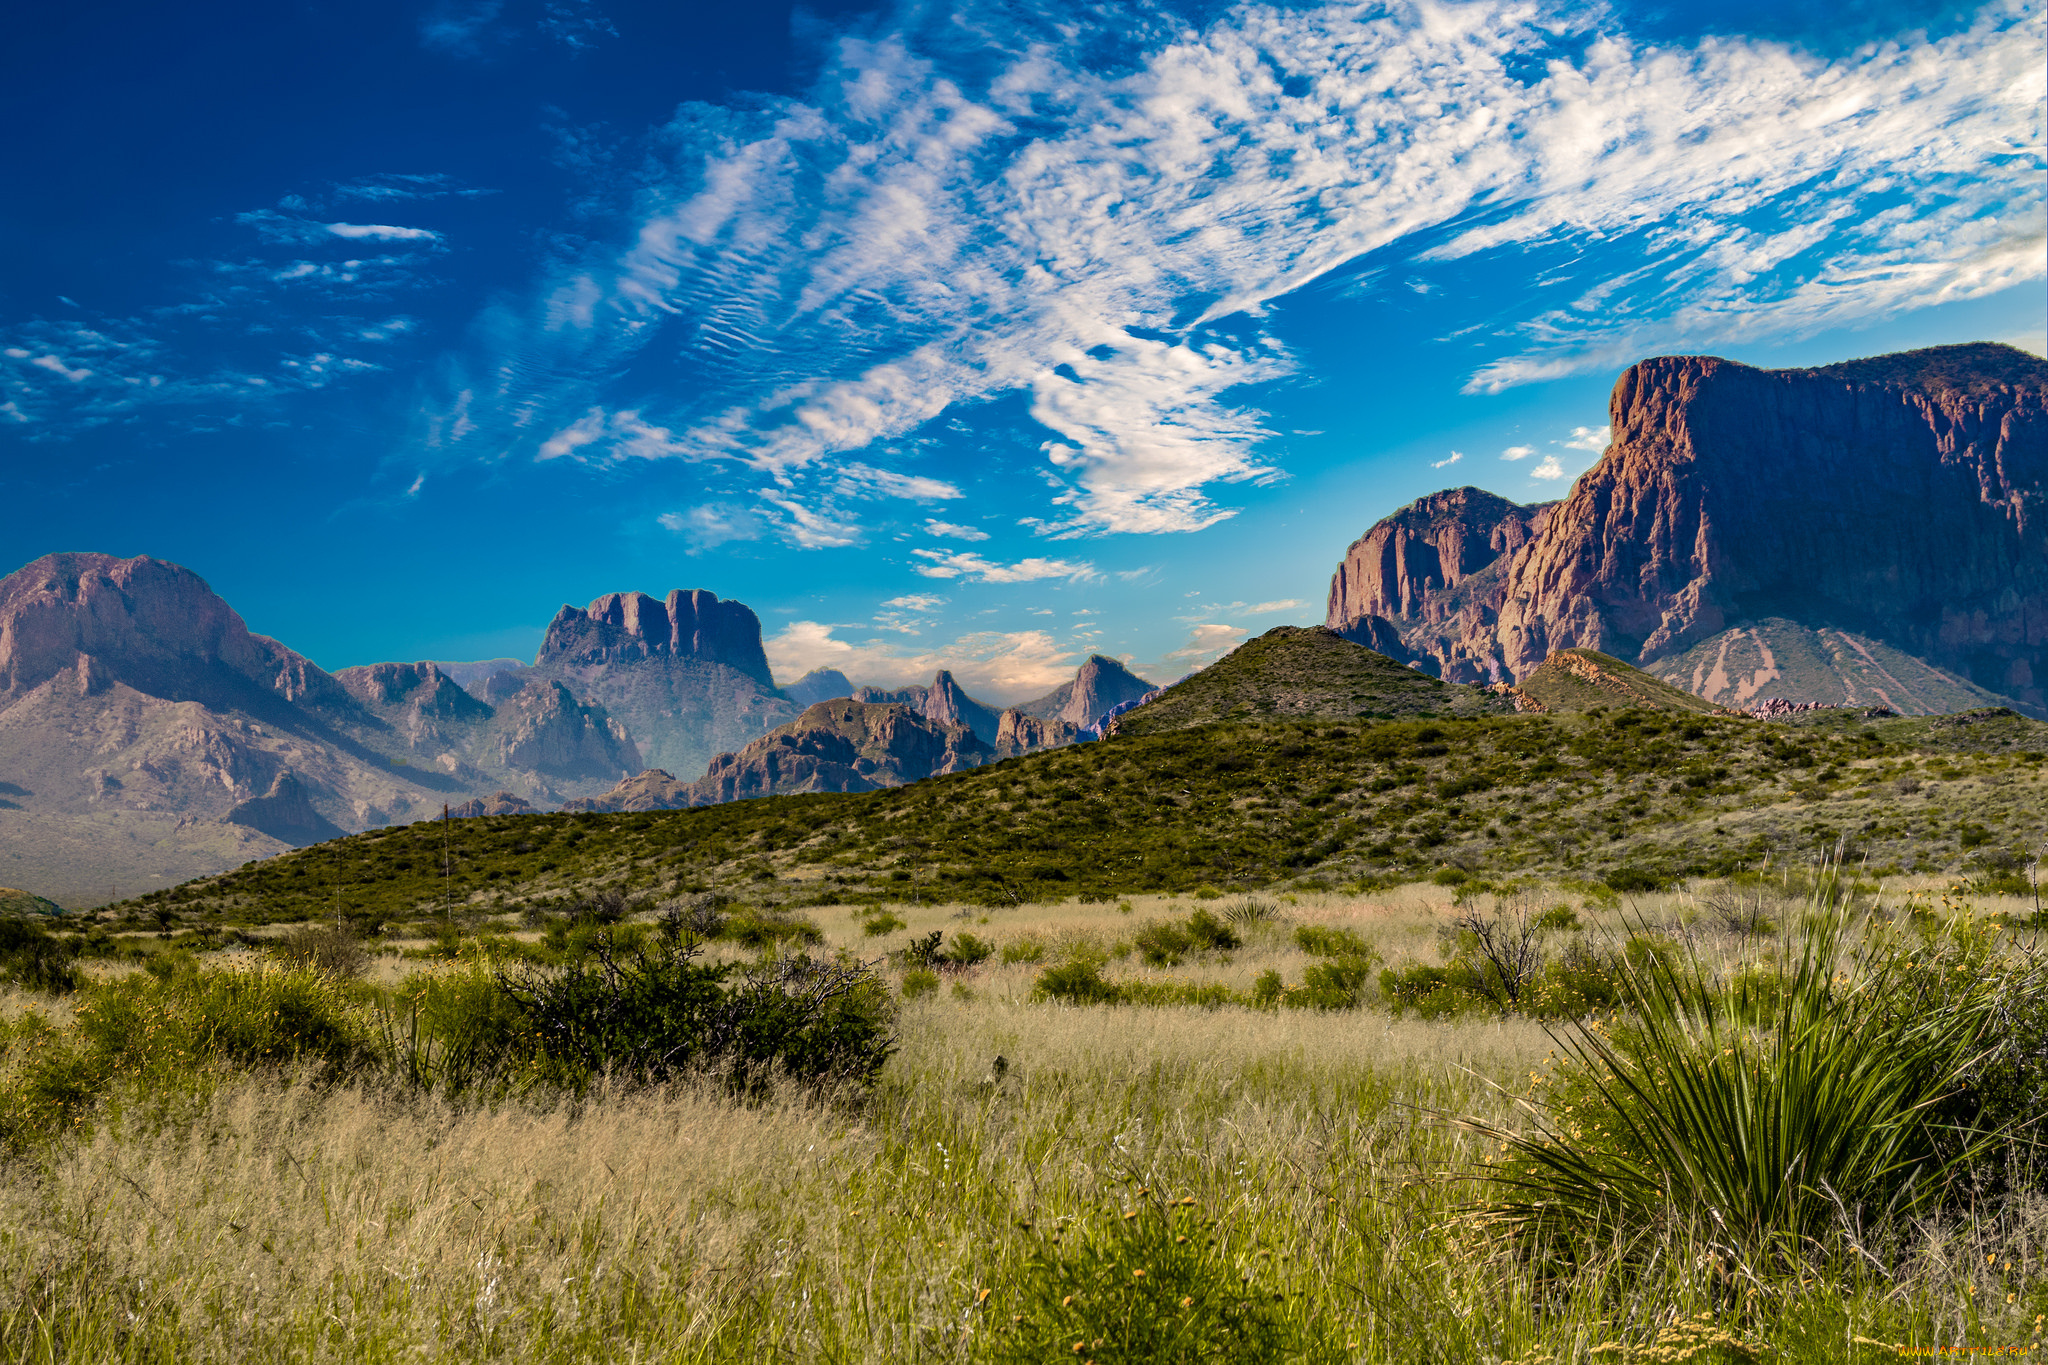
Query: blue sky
[976,335]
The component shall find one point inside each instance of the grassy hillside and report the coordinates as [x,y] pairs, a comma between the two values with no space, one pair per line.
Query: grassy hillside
[1312,673]
[1581,679]
[1632,796]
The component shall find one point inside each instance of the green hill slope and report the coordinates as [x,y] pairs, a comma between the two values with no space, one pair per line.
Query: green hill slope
[1235,806]
[1305,674]
[1581,679]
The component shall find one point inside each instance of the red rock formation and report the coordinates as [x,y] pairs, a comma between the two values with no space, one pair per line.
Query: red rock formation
[155,626]
[1901,496]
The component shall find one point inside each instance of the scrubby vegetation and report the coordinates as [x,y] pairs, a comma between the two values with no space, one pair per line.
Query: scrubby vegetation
[1634,799]
[1155,1129]
[1628,1035]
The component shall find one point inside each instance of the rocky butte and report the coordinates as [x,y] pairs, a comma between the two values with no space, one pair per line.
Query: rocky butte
[687,676]
[1882,517]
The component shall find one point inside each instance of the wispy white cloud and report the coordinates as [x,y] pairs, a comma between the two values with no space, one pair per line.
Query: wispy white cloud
[278,228]
[918,601]
[975,569]
[712,524]
[962,209]
[1548,469]
[1518,452]
[1593,439]
[1207,643]
[954,531]
[1447,462]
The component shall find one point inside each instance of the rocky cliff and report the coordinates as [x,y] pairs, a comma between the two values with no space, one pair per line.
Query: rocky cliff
[1018,734]
[944,703]
[841,746]
[1099,684]
[1900,498]
[652,789]
[686,677]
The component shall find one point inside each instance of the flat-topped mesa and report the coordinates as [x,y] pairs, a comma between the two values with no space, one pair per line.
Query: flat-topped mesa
[624,626]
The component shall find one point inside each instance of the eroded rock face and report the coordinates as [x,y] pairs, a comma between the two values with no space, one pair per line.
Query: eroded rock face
[651,789]
[152,625]
[1098,686]
[546,729]
[686,677]
[1018,734]
[621,627]
[842,746]
[1900,497]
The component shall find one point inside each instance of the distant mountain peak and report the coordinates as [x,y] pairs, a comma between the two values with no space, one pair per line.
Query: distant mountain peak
[622,627]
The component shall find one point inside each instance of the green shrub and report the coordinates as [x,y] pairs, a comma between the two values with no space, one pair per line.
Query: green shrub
[1163,943]
[1433,992]
[1076,983]
[919,982]
[1023,950]
[1212,934]
[649,1013]
[768,929]
[453,1029]
[331,950]
[968,950]
[1267,990]
[1451,876]
[1320,940]
[1558,917]
[1754,1112]
[1338,984]
[882,923]
[34,958]
[1633,880]
[1159,1283]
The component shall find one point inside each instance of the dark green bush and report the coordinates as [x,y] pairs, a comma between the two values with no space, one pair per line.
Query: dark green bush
[882,923]
[1433,992]
[1558,917]
[1212,934]
[1163,943]
[1076,983]
[1158,1283]
[759,929]
[967,950]
[651,1012]
[1321,940]
[34,958]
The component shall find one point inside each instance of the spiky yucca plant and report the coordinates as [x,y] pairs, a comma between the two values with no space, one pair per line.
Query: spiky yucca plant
[1762,1113]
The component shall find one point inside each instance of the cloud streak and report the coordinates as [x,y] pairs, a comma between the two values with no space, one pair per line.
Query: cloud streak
[944,220]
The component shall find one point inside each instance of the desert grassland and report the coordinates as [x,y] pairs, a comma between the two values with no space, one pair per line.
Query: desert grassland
[276,1215]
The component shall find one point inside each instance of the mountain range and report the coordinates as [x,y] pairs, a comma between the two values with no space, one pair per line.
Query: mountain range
[1872,532]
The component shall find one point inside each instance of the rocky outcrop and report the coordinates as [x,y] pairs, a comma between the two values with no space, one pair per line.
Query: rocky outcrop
[1900,498]
[1099,685]
[652,789]
[153,626]
[285,812]
[687,677]
[820,684]
[624,627]
[500,803]
[544,728]
[944,702]
[842,746]
[1018,734]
